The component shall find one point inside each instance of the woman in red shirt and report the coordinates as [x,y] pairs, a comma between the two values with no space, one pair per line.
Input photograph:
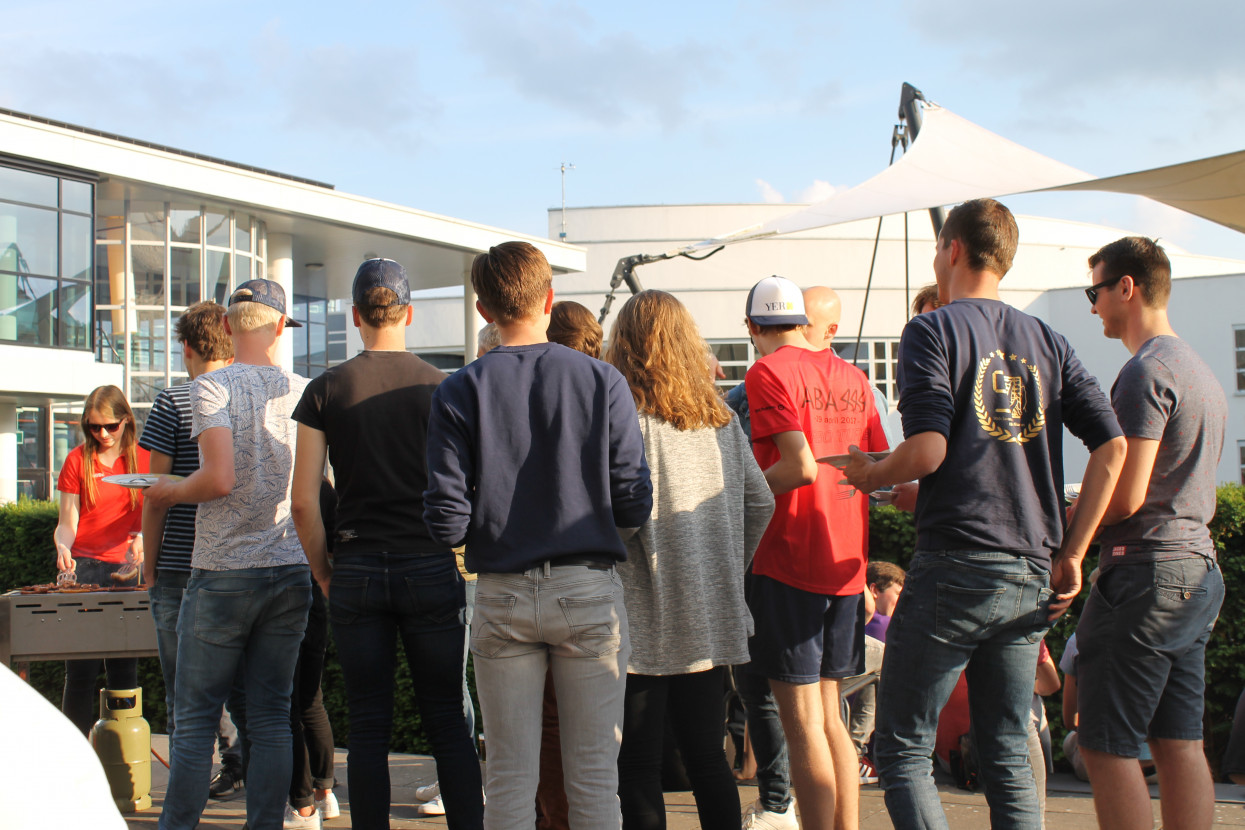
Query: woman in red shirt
[99,533]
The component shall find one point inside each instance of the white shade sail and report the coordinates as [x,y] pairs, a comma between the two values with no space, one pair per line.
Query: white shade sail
[953,160]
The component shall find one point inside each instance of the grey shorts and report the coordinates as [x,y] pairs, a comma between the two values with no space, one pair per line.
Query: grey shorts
[1142,653]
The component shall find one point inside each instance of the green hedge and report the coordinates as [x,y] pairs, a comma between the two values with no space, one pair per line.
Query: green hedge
[27,557]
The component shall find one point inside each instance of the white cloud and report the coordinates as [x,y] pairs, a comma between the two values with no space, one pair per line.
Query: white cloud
[769,194]
[816,192]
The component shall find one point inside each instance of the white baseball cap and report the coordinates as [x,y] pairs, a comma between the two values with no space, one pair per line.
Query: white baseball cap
[776,301]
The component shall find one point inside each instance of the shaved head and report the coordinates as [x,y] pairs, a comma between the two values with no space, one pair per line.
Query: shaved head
[823,308]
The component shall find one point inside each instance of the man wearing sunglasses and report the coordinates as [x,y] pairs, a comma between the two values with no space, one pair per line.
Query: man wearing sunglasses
[1142,635]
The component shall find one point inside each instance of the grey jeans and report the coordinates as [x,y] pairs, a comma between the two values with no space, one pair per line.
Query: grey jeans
[571,617]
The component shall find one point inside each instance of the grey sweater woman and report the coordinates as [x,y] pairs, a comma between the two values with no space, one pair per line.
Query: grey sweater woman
[684,574]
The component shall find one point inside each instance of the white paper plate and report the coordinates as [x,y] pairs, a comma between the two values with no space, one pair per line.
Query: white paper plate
[840,461]
[138,481]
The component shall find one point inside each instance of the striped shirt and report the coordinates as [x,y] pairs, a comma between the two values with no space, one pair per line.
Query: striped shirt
[168,431]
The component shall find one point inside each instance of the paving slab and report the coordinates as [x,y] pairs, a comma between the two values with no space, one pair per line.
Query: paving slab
[1069,803]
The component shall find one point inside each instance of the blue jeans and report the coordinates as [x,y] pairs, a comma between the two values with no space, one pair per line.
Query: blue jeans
[374,598]
[254,619]
[979,612]
[166,606]
[570,617]
[769,743]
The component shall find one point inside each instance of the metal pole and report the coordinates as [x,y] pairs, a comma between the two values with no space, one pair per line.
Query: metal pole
[911,113]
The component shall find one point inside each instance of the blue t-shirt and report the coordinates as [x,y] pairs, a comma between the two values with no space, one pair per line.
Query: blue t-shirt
[1000,386]
[534,452]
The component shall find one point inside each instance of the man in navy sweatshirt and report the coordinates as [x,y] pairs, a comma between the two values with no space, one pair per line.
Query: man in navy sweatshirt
[985,391]
[536,464]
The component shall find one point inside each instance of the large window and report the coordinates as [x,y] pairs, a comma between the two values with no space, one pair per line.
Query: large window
[735,356]
[153,259]
[1239,333]
[45,259]
[879,359]
[321,341]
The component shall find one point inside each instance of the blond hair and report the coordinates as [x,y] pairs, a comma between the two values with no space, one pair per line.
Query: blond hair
[247,316]
[657,347]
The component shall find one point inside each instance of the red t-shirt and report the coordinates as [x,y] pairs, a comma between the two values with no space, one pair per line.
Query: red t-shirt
[817,540]
[105,525]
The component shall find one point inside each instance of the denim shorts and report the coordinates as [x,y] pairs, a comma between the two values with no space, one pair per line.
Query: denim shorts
[802,637]
[1142,653]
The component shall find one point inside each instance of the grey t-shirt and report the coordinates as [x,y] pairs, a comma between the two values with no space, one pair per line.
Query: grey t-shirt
[1169,394]
[252,526]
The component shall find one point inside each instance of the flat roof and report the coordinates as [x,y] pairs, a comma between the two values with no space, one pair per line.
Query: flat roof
[138,142]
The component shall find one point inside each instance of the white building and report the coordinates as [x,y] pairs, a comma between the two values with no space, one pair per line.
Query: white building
[105,240]
[1050,271]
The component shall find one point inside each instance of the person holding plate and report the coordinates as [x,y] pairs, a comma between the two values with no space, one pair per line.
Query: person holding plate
[99,534]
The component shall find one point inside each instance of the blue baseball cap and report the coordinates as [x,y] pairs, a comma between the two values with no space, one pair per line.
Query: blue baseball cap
[381,273]
[264,292]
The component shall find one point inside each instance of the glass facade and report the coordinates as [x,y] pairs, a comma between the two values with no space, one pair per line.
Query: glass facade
[152,260]
[321,342]
[45,259]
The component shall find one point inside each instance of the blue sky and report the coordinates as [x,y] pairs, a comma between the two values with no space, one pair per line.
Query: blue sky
[466,108]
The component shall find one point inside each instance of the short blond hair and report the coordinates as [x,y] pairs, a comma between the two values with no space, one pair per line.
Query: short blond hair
[247,316]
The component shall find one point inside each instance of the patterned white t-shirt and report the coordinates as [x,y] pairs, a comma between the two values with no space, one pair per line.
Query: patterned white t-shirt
[251,527]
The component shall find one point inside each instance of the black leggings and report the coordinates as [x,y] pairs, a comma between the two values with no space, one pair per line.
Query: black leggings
[309,722]
[694,702]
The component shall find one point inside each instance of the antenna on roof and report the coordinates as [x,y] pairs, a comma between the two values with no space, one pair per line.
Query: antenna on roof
[564,168]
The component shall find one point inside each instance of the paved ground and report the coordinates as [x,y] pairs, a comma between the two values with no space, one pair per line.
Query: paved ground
[1068,806]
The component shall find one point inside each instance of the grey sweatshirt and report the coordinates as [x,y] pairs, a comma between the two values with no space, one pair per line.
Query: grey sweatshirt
[684,574]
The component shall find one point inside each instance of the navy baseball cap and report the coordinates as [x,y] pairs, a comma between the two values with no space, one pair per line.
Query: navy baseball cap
[381,273]
[264,292]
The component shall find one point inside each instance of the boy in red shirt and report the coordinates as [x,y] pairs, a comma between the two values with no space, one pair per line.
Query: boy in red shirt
[806,597]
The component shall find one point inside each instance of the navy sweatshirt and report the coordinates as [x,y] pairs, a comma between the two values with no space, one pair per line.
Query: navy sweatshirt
[534,452]
[1000,386]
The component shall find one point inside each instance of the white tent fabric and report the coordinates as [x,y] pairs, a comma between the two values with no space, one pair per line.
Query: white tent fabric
[951,160]
[1212,188]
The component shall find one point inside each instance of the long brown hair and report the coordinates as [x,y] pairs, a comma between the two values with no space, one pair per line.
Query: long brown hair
[658,348]
[109,402]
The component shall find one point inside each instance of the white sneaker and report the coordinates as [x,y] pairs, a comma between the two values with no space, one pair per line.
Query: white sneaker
[432,807]
[328,808]
[294,821]
[756,817]
[429,792]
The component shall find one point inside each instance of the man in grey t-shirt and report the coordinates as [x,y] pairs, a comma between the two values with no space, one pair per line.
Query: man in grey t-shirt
[246,603]
[1143,634]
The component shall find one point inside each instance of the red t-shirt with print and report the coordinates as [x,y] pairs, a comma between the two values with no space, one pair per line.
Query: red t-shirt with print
[818,539]
[105,525]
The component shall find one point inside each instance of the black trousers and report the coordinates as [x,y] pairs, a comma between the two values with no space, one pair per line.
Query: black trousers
[694,702]
[309,722]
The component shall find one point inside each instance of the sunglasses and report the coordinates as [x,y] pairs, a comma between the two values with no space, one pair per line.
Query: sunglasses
[113,427]
[1092,291]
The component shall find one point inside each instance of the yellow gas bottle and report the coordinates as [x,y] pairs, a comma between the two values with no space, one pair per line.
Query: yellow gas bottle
[122,740]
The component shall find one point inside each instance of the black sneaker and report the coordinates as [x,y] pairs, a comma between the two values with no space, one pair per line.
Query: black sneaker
[225,783]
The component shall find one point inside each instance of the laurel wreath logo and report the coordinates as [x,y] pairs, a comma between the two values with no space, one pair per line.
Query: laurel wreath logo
[1035,425]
